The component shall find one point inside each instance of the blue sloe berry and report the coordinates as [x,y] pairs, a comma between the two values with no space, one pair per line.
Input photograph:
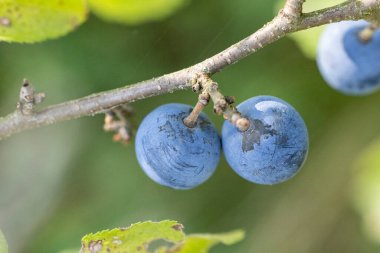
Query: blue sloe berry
[274,147]
[171,153]
[348,63]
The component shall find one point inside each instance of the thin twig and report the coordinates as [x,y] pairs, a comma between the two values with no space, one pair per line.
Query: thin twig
[222,104]
[101,102]
[191,120]
[293,8]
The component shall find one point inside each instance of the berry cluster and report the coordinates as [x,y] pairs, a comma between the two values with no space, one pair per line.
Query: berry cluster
[264,139]
[270,151]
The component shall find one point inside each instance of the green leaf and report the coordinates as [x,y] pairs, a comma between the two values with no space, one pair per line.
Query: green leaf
[137,237]
[307,40]
[3,244]
[201,243]
[31,21]
[133,239]
[134,11]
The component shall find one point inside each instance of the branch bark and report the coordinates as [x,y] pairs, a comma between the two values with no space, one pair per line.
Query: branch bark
[293,8]
[280,26]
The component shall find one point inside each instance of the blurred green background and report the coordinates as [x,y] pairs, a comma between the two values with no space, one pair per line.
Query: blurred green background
[60,182]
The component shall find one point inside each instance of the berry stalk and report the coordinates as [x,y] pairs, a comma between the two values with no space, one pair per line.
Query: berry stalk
[366,34]
[222,104]
[191,120]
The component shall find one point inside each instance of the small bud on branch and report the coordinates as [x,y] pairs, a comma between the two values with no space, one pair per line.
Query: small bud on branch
[28,98]
[118,120]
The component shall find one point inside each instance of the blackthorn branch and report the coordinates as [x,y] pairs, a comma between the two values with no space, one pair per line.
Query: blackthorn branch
[290,19]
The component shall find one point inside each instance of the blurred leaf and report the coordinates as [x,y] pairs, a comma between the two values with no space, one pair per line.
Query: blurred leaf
[69,251]
[366,190]
[134,11]
[37,20]
[201,243]
[3,244]
[307,40]
[133,239]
